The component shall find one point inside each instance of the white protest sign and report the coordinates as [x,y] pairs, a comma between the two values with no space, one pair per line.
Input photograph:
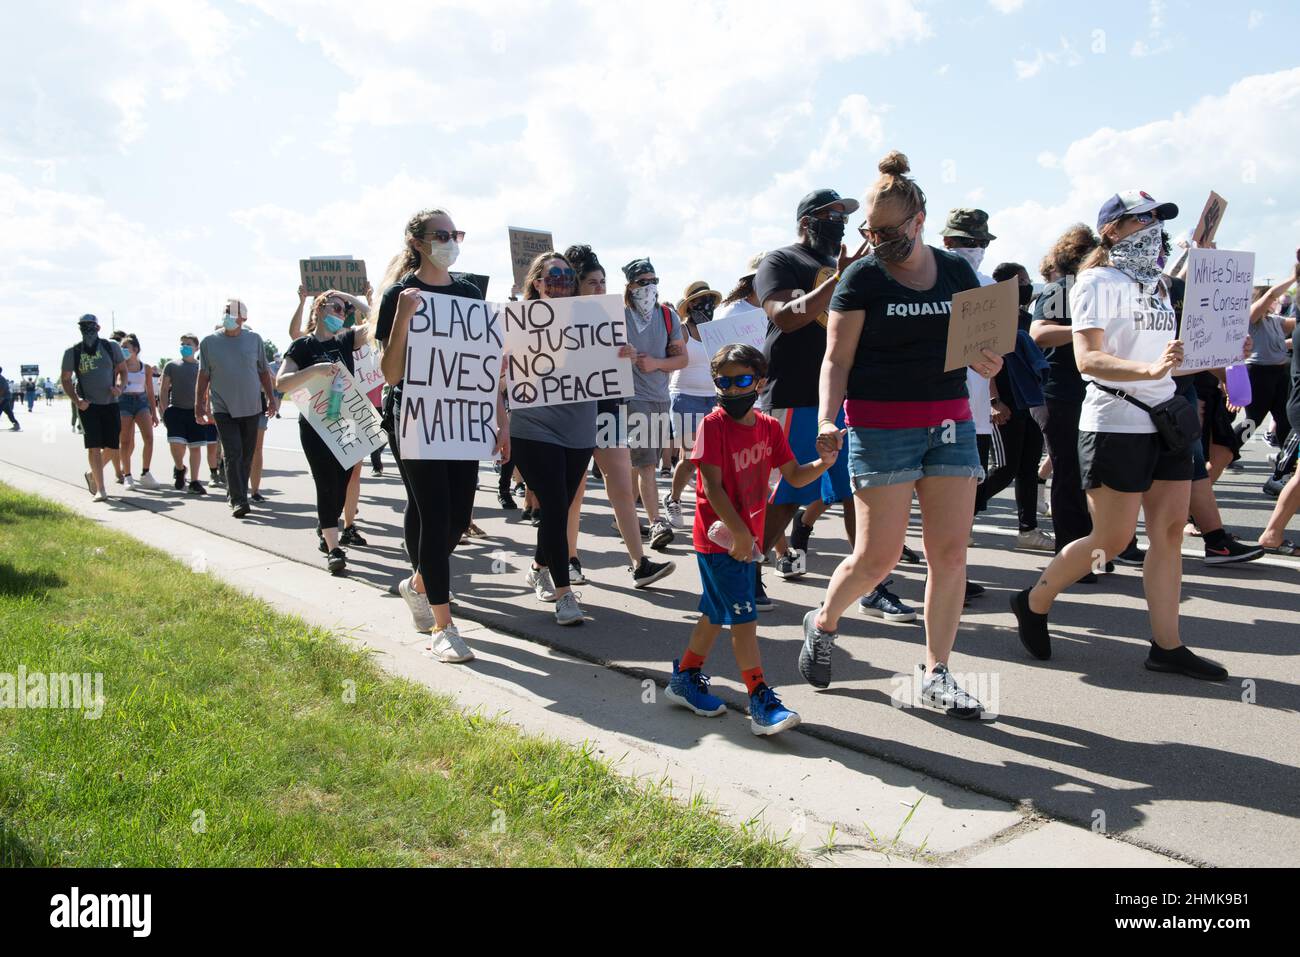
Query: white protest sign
[561,351]
[356,432]
[749,328]
[1216,307]
[453,368]
[365,369]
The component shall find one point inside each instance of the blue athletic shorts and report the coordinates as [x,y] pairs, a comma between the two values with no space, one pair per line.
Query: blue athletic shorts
[727,589]
[800,427]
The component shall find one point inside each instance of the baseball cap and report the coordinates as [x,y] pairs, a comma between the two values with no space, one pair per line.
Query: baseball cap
[88,320]
[964,223]
[1130,203]
[819,199]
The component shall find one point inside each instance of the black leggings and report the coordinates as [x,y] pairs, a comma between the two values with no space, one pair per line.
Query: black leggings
[1270,387]
[1070,517]
[1023,445]
[439,502]
[553,474]
[331,478]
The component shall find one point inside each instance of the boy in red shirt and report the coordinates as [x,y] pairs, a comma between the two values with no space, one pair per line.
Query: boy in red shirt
[736,449]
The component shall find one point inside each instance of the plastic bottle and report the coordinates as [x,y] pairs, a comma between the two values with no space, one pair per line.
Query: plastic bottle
[721,536]
[335,407]
[1239,385]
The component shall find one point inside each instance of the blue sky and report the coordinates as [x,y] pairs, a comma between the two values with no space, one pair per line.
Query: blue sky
[157,157]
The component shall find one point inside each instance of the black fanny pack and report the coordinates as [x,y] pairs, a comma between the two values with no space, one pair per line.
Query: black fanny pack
[1177,422]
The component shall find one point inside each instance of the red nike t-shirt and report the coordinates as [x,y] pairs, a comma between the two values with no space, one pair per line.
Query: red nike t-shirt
[747,454]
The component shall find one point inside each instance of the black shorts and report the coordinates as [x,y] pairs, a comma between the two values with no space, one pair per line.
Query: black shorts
[102,425]
[1129,462]
[183,430]
[1217,422]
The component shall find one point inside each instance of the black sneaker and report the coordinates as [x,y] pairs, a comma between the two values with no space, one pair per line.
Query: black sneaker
[910,557]
[337,561]
[1183,661]
[352,537]
[507,501]
[1229,551]
[537,517]
[256,497]
[196,488]
[665,472]
[800,533]
[648,572]
[320,542]
[972,591]
[178,479]
[1132,555]
[519,488]
[1031,627]
[240,509]
[527,515]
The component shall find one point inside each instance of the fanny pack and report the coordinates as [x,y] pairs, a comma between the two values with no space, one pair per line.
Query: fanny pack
[1177,422]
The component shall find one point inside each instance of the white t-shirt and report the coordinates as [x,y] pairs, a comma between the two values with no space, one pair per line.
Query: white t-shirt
[1134,326]
[981,406]
[738,308]
[696,379]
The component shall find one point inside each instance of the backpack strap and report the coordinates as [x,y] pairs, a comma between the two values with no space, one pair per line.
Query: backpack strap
[668,321]
[1119,393]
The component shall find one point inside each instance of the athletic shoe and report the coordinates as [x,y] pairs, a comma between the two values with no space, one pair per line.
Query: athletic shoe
[475,532]
[507,501]
[178,479]
[766,713]
[448,647]
[1231,552]
[257,497]
[972,591]
[575,573]
[537,517]
[661,534]
[376,472]
[1132,555]
[520,488]
[648,572]
[1035,539]
[940,690]
[147,481]
[15,427]
[665,472]
[761,601]
[674,510]
[1031,627]
[539,580]
[568,611]
[90,481]
[351,537]
[100,497]
[240,510]
[196,488]
[690,689]
[1273,487]
[337,561]
[815,654]
[526,515]
[119,479]
[882,603]
[793,564]
[1183,661]
[320,542]
[129,482]
[910,557]
[800,533]
[418,602]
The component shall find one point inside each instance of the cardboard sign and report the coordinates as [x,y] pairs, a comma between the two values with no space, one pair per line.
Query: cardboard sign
[31,370]
[525,246]
[453,371]
[983,318]
[561,351]
[365,369]
[356,432]
[1216,308]
[345,275]
[1211,217]
[750,328]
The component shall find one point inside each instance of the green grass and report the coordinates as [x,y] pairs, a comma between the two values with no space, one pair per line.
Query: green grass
[227,738]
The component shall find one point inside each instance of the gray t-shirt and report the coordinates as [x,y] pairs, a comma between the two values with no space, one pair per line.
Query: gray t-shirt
[234,364]
[653,340]
[572,426]
[93,370]
[1269,341]
[184,378]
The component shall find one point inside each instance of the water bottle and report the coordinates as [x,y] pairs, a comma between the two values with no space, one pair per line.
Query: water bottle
[721,536]
[337,388]
[1239,393]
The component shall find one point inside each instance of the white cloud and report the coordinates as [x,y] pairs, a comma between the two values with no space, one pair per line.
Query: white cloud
[1156,42]
[1049,160]
[1255,19]
[1006,6]
[1064,55]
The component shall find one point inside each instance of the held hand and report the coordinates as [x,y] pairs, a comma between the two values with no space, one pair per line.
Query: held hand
[1001,412]
[829,437]
[502,448]
[302,293]
[626,351]
[828,454]
[82,405]
[989,366]
[646,363]
[369,291]
[154,416]
[115,392]
[1247,347]
[1169,360]
[743,549]
[406,305]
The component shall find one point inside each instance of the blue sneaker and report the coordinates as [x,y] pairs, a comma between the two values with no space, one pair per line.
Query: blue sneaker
[883,603]
[690,689]
[761,601]
[766,713]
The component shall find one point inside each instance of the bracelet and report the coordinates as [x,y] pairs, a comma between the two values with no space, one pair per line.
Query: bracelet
[821,422]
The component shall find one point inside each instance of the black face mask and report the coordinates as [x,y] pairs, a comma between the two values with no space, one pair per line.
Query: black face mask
[701,312]
[826,236]
[738,406]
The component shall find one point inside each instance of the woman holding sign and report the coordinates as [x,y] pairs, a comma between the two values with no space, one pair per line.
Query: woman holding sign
[312,362]
[1135,434]
[910,428]
[439,492]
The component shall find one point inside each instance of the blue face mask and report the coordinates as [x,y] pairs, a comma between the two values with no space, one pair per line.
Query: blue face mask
[333,324]
[187,352]
[230,322]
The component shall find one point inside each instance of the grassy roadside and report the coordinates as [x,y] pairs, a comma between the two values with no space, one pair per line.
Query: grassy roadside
[232,735]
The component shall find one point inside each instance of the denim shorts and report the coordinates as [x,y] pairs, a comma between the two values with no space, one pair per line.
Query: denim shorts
[688,412]
[131,404]
[880,457]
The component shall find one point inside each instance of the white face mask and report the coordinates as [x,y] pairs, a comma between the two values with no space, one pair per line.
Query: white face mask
[972,256]
[444,255]
[645,298]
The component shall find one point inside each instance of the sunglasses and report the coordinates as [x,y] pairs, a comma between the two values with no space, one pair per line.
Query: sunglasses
[1145,219]
[648,281]
[561,277]
[724,382]
[885,234]
[442,236]
[832,216]
[334,305]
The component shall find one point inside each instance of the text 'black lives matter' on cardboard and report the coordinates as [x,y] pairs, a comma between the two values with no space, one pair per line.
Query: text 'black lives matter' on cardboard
[322,275]
[983,318]
[525,246]
[560,351]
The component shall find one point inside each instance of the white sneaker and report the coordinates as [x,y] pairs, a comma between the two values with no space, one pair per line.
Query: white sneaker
[421,612]
[90,482]
[674,510]
[449,647]
[1044,503]
[129,482]
[568,611]
[1036,540]
[147,481]
[100,497]
[539,580]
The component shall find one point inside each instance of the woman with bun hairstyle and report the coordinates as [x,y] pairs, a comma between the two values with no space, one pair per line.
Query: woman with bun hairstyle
[910,428]
[439,492]
[1126,347]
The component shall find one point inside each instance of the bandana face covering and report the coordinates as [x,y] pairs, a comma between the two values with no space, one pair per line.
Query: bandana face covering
[1139,256]
[973,256]
[644,299]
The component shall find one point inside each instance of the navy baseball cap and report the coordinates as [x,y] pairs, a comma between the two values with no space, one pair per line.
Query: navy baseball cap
[88,320]
[1130,203]
[819,199]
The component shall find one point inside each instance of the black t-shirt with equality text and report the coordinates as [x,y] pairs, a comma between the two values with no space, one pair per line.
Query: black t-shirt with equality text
[794,358]
[904,339]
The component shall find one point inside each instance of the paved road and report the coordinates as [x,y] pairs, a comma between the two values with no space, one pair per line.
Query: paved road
[1204,772]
